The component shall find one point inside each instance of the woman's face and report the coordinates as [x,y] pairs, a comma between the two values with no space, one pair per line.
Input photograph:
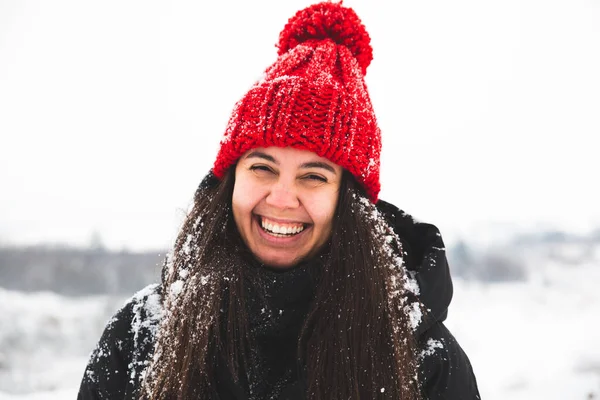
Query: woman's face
[283,203]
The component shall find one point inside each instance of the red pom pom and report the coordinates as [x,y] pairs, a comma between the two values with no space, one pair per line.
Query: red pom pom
[328,21]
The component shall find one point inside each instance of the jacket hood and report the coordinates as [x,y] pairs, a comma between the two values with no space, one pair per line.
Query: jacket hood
[425,256]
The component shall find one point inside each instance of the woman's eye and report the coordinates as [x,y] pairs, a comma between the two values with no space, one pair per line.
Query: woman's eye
[317,178]
[260,168]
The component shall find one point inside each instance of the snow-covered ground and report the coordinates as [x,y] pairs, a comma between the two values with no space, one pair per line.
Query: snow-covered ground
[531,340]
[45,340]
[534,340]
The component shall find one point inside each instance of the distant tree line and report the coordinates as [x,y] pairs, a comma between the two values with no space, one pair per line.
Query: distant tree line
[510,261]
[77,272]
[489,266]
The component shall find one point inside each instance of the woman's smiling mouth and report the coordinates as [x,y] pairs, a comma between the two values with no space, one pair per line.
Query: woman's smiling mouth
[280,229]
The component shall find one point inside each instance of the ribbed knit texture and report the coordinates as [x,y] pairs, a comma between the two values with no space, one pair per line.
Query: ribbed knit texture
[313,97]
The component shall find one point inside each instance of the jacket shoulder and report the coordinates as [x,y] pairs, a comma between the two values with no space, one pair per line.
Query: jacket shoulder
[445,369]
[115,367]
[424,254]
[421,236]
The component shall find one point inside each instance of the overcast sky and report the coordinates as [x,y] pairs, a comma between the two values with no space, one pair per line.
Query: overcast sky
[111,112]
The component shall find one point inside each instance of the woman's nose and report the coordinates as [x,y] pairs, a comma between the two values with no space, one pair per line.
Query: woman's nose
[283,195]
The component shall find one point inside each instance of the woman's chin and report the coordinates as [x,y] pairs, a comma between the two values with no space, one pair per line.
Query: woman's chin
[279,261]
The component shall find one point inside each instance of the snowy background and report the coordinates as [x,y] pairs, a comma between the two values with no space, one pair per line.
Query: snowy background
[111,113]
[531,333]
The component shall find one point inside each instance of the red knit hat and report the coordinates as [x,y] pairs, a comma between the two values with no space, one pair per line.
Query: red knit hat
[313,97]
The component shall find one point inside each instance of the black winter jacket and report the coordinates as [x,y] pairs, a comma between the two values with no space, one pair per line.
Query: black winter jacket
[117,364]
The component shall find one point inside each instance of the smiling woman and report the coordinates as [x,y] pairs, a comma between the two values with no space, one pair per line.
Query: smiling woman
[289,279]
[283,203]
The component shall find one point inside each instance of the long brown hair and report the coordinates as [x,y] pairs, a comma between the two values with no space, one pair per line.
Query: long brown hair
[356,342]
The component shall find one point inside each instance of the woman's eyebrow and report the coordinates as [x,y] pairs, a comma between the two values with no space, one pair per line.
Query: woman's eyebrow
[319,164]
[260,154]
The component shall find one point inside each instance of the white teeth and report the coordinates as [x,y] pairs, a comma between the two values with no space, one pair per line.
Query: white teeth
[280,229]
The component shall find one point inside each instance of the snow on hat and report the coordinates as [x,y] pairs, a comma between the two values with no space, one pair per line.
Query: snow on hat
[313,97]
